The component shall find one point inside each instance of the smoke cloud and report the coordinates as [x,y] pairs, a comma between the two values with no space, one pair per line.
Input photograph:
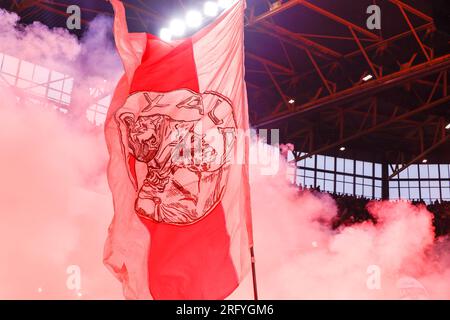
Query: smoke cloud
[55,205]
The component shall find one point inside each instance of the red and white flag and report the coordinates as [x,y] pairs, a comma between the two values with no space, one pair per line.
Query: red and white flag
[182,225]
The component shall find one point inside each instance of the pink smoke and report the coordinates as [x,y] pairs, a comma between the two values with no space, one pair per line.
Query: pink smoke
[55,205]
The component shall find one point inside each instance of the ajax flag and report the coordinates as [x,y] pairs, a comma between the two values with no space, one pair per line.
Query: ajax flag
[178,168]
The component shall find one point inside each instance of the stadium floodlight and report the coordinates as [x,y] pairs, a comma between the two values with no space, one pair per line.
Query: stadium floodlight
[292,101]
[165,34]
[424,160]
[342,148]
[447,126]
[225,4]
[210,9]
[367,78]
[177,27]
[193,19]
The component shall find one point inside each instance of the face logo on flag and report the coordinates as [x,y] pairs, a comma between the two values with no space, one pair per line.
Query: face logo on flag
[177,145]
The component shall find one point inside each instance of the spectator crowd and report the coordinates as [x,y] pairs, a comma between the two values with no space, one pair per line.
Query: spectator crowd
[353,209]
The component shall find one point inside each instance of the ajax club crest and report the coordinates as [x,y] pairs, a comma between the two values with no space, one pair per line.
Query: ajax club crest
[177,147]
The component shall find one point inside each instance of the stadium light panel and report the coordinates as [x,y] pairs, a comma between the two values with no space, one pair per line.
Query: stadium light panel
[165,34]
[210,9]
[177,27]
[194,19]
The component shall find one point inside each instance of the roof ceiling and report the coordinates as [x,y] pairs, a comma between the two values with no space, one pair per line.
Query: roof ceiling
[316,52]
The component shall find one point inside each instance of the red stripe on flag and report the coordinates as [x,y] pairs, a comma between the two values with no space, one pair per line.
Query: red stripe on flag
[191,262]
[165,68]
[205,259]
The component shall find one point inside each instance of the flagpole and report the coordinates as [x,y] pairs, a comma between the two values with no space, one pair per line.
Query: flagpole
[255,287]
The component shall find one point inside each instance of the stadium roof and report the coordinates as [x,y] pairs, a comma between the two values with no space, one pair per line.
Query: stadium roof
[318,74]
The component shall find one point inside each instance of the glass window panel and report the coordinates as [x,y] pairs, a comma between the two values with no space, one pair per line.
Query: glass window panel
[393,184]
[414,193]
[90,114]
[41,75]
[390,171]
[320,175]
[66,99]
[423,169]
[309,162]
[57,85]
[434,184]
[435,193]
[368,191]
[445,184]
[378,170]
[358,180]
[290,156]
[10,80]
[403,174]
[329,163]
[413,171]
[309,182]
[68,85]
[378,183]
[425,193]
[339,187]
[55,75]
[403,184]
[358,190]
[320,162]
[424,183]
[414,183]
[309,173]
[105,101]
[368,169]
[349,188]
[349,179]
[368,182]
[340,165]
[444,171]
[329,176]
[100,118]
[56,95]
[339,177]
[359,168]
[349,166]
[10,65]
[26,70]
[404,193]
[446,193]
[433,170]
[393,193]
[378,193]
[329,186]
[321,184]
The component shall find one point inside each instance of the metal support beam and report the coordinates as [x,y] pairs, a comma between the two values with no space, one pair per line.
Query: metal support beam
[421,156]
[366,89]
[379,126]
